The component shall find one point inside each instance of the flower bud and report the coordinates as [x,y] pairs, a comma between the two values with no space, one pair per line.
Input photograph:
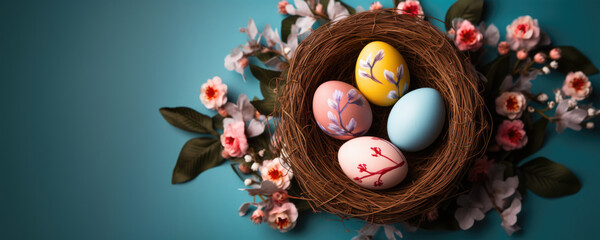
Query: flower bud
[255,166]
[248,158]
[248,181]
[530,109]
[244,168]
[281,7]
[319,8]
[589,125]
[261,153]
[542,97]
[554,64]
[551,105]
[222,112]
[539,58]
[503,48]
[243,62]
[555,53]
[597,113]
[521,54]
[546,70]
[591,112]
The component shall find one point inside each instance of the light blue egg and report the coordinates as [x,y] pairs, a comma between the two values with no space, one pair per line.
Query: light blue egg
[416,119]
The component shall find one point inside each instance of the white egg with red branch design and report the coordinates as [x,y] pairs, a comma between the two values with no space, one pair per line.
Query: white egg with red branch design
[372,162]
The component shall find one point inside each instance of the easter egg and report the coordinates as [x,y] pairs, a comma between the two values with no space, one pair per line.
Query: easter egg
[341,110]
[416,119]
[372,162]
[381,73]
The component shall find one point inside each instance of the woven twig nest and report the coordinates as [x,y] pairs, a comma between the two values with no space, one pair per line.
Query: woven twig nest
[330,53]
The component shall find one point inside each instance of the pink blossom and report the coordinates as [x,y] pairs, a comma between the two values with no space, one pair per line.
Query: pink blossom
[281,6]
[511,135]
[280,197]
[213,93]
[511,104]
[283,217]
[468,37]
[375,6]
[539,58]
[257,216]
[577,85]
[411,7]
[274,171]
[234,140]
[503,48]
[479,171]
[523,33]
[555,53]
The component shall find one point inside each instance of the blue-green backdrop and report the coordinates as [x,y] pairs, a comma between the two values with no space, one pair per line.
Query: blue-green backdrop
[86,155]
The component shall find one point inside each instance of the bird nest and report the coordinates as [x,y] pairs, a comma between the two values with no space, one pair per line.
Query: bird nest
[330,53]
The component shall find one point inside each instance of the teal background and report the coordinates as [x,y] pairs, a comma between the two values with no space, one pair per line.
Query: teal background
[86,155]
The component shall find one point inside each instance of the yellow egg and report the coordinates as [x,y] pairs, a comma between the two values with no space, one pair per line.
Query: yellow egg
[381,74]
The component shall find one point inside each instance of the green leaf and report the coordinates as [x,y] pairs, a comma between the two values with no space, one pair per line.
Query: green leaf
[466,9]
[535,140]
[260,142]
[196,156]
[189,120]
[573,60]
[549,179]
[265,76]
[265,56]
[286,26]
[269,81]
[217,121]
[497,71]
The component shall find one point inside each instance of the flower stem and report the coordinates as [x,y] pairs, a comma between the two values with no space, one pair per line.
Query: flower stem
[493,200]
[541,112]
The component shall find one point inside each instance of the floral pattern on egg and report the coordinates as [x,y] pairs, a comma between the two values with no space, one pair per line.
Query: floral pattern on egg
[383,79]
[346,115]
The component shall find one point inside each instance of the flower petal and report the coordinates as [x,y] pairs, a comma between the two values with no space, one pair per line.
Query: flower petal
[243,209]
[332,104]
[351,125]
[364,63]
[491,35]
[379,56]
[351,94]
[255,128]
[400,72]
[252,30]
[302,8]
[389,76]
[393,94]
[247,109]
[363,74]
[337,95]
[332,117]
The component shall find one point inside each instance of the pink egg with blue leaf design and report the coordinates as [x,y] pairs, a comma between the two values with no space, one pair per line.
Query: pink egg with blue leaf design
[341,111]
